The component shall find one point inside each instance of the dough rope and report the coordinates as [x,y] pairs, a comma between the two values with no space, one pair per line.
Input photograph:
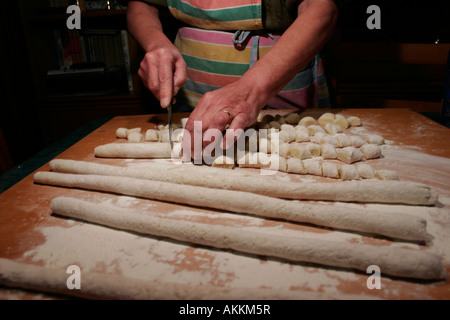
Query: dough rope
[399,226]
[401,192]
[97,285]
[393,261]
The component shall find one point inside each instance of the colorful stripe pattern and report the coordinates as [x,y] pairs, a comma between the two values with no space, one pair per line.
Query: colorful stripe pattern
[214,61]
[218,14]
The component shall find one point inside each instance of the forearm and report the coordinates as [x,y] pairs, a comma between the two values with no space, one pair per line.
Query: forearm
[145,26]
[293,51]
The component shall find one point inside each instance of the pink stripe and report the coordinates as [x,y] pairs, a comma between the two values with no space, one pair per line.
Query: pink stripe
[220,4]
[288,100]
[219,37]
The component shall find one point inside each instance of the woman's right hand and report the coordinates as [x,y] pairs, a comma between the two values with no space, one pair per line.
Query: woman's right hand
[163,71]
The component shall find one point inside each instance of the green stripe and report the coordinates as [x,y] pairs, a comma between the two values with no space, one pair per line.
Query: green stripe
[249,12]
[217,67]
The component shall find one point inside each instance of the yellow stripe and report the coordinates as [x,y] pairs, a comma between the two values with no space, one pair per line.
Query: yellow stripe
[254,24]
[216,52]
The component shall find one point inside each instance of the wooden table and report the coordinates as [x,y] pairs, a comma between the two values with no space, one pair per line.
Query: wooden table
[417,148]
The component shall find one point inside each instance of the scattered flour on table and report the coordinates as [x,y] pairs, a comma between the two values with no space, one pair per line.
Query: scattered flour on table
[101,249]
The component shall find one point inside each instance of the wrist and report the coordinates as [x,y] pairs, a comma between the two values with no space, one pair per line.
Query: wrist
[257,87]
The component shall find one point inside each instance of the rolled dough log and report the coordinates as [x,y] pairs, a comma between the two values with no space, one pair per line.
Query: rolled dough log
[400,226]
[150,150]
[391,260]
[404,192]
[97,285]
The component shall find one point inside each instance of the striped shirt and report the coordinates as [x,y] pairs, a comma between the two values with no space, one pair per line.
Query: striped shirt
[224,39]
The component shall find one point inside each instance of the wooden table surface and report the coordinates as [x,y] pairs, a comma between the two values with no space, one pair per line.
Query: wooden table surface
[416,147]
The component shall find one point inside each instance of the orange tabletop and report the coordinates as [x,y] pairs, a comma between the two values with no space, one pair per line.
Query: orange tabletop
[416,147]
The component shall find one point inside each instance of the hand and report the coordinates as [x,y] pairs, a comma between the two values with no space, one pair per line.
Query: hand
[163,71]
[231,105]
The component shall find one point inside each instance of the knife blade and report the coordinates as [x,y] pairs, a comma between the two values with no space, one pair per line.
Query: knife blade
[169,116]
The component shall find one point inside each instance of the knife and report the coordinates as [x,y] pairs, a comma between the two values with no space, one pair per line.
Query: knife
[169,110]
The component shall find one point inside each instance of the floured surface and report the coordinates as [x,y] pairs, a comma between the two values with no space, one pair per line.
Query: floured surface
[48,240]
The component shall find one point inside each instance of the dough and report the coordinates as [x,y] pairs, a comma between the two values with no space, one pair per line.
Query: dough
[386,174]
[134,130]
[332,129]
[326,118]
[341,122]
[312,167]
[289,130]
[370,151]
[224,162]
[348,172]
[317,138]
[254,160]
[343,140]
[329,140]
[365,171]
[121,133]
[374,139]
[135,137]
[292,118]
[356,191]
[97,285]
[295,165]
[354,121]
[391,260]
[283,150]
[314,129]
[183,122]
[349,154]
[275,124]
[150,150]
[164,135]
[356,141]
[299,151]
[280,119]
[314,149]
[301,134]
[330,170]
[327,151]
[307,121]
[398,226]
[286,137]
[152,135]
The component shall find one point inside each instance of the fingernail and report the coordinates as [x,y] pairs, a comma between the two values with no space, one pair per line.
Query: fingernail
[165,102]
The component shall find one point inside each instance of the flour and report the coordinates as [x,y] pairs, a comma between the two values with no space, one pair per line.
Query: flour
[101,249]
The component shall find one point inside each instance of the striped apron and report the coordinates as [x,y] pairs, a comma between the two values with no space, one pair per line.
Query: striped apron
[216,54]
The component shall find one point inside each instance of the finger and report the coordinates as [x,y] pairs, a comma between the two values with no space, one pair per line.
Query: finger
[179,76]
[219,122]
[165,77]
[153,80]
[192,141]
[235,129]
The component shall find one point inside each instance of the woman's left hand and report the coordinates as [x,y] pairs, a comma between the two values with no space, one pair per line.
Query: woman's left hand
[235,105]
